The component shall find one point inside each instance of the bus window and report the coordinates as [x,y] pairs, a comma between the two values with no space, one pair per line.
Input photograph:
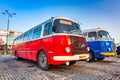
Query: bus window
[47,29]
[30,35]
[14,42]
[17,40]
[25,37]
[20,39]
[37,32]
[104,35]
[92,36]
[66,26]
[85,34]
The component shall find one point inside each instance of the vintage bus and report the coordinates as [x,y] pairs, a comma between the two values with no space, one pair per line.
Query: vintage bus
[100,44]
[56,41]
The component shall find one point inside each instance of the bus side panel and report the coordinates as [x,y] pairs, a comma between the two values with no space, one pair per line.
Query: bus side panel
[95,47]
[22,50]
[48,47]
[29,51]
[45,44]
[32,48]
[101,46]
[14,48]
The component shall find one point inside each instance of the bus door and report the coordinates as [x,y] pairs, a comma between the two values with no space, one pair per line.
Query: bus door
[48,39]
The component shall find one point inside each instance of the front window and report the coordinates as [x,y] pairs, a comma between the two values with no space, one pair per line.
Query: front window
[104,35]
[66,26]
[92,36]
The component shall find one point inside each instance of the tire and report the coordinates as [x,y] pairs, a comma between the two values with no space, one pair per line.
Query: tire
[91,57]
[72,62]
[43,61]
[100,58]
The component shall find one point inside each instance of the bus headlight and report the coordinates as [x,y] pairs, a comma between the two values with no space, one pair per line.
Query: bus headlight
[67,49]
[114,47]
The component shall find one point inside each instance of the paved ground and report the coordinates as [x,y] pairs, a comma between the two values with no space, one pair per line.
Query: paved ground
[108,69]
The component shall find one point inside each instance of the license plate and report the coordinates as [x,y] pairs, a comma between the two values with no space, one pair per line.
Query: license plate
[83,57]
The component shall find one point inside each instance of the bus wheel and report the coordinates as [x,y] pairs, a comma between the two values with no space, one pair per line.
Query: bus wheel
[100,58]
[91,57]
[72,62]
[43,61]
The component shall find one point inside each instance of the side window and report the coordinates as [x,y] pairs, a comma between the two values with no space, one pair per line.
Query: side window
[25,36]
[85,34]
[92,36]
[30,35]
[37,32]
[47,29]
[15,40]
[20,39]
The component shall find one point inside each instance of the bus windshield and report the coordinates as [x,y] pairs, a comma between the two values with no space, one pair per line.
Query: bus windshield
[104,35]
[66,26]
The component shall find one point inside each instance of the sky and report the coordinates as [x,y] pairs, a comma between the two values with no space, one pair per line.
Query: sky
[90,13]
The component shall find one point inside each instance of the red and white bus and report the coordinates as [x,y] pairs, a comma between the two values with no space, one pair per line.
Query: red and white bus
[56,41]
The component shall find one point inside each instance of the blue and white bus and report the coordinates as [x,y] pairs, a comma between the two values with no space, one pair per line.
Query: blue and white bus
[100,44]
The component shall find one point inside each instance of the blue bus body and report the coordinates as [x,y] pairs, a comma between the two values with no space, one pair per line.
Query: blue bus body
[100,48]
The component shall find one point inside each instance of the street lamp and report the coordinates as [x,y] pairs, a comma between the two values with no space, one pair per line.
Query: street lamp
[9,15]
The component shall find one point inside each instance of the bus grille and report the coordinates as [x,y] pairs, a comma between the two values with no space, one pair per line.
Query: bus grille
[78,45]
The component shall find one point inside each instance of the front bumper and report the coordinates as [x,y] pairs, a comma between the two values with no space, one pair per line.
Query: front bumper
[108,53]
[71,58]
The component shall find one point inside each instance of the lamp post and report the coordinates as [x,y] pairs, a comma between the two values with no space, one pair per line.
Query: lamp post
[9,15]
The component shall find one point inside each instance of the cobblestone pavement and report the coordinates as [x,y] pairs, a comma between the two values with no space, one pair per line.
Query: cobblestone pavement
[108,69]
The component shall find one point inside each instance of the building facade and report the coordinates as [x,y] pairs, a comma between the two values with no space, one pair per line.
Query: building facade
[7,40]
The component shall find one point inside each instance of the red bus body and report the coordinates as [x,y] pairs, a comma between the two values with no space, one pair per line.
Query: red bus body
[58,47]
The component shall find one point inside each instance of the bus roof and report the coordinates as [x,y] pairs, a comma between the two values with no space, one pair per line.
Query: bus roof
[54,18]
[94,29]
[51,19]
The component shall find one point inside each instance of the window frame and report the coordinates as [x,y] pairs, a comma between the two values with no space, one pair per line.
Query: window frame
[89,38]
[49,23]
[40,33]
[30,36]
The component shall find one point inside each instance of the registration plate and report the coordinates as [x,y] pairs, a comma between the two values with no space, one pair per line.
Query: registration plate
[82,57]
